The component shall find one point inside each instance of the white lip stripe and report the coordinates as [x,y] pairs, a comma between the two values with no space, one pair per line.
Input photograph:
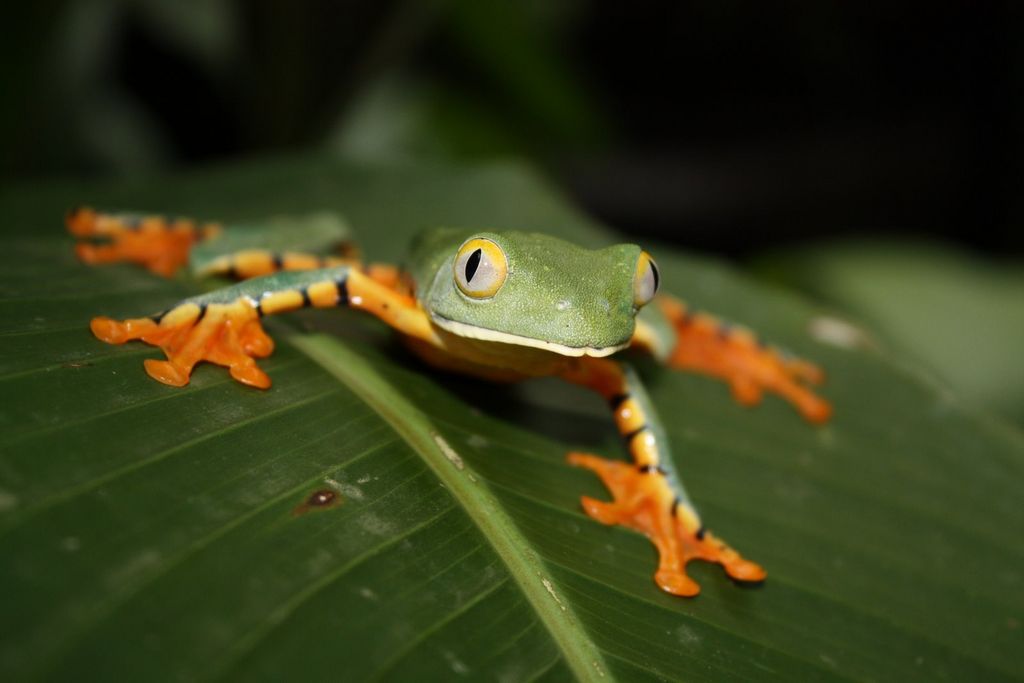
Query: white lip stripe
[474,332]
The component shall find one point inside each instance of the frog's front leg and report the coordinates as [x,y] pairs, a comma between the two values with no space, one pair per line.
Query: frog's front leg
[158,243]
[648,495]
[224,327]
[701,343]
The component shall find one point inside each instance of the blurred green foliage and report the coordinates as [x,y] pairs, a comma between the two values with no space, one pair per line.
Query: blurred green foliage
[960,316]
[86,90]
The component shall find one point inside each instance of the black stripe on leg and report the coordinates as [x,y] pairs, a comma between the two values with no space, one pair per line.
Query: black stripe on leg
[202,312]
[647,469]
[700,532]
[628,438]
[617,400]
[305,297]
[675,505]
[158,317]
[342,284]
[278,261]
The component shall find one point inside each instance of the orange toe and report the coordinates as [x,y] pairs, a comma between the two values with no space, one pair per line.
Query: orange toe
[817,411]
[166,372]
[250,375]
[81,221]
[255,341]
[676,583]
[599,510]
[745,570]
[108,330]
[745,391]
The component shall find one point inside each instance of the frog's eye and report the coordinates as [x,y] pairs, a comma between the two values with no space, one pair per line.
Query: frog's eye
[645,283]
[480,268]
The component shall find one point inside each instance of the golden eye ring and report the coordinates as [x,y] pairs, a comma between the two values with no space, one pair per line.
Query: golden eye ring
[646,280]
[480,268]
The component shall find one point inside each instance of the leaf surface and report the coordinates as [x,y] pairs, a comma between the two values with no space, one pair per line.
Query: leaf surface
[159,533]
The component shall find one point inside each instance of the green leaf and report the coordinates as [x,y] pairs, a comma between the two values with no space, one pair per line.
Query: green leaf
[960,315]
[155,533]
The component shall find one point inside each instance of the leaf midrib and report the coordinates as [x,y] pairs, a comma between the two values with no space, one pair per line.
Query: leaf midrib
[413,426]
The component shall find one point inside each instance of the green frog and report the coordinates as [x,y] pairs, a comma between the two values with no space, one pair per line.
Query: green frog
[504,306]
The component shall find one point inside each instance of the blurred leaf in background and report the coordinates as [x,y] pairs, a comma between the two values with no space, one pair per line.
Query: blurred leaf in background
[498,83]
[121,86]
[960,315]
[68,106]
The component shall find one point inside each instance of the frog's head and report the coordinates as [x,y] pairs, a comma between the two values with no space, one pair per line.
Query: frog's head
[533,290]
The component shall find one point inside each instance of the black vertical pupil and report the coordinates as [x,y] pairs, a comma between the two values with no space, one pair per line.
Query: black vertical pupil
[472,263]
[657,277]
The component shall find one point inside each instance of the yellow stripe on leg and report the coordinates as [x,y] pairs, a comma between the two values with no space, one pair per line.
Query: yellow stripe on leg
[325,294]
[279,302]
[298,261]
[252,263]
[629,416]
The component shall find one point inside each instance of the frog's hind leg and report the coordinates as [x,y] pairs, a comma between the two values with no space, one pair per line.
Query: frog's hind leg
[279,243]
[159,243]
[647,495]
[706,345]
[250,263]
[224,327]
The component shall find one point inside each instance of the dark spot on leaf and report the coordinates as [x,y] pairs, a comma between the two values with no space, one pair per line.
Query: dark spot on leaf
[321,499]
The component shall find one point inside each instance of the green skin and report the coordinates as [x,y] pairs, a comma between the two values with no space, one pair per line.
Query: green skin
[555,291]
[502,306]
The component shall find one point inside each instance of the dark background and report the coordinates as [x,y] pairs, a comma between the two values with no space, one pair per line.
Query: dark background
[728,126]
[866,154]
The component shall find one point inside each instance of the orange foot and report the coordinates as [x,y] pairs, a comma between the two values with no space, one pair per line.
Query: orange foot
[735,355]
[225,334]
[644,501]
[160,245]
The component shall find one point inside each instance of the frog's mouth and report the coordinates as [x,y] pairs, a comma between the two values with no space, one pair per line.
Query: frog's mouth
[482,333]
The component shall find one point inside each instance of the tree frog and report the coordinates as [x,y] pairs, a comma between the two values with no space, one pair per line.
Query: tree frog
[502,305]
